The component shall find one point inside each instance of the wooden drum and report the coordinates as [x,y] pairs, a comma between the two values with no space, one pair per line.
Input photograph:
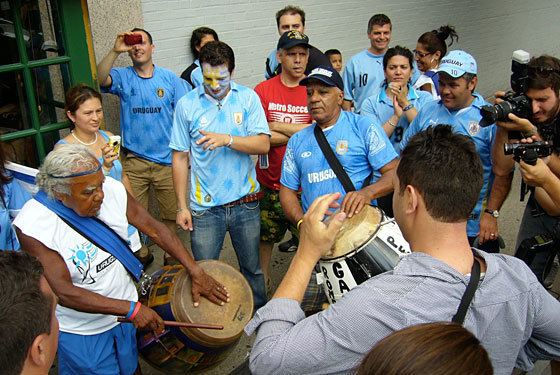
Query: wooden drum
[193,349]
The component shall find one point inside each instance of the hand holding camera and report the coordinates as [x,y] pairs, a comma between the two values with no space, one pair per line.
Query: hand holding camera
[126,41]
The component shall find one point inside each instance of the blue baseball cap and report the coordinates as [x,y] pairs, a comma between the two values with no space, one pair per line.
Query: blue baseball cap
[456,63]
[326,74]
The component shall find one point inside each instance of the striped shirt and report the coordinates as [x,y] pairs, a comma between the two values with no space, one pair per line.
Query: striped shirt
[514,317]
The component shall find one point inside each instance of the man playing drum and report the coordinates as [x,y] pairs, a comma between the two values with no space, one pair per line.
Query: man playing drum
[77,227]
[513,316]
[361,146]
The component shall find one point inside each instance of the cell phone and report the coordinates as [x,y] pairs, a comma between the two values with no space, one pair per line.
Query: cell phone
[263,161]
[115,143]
[132,39]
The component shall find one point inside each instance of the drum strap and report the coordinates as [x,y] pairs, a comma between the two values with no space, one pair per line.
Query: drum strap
[466,300]
[333,161]
[97,232]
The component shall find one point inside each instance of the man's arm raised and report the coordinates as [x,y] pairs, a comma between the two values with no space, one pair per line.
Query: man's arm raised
[105,65]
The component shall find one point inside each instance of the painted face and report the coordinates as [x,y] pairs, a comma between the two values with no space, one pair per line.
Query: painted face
[289,22]
[424,59]
[379,37]
[336,61]
[205,39]
[88,116]
[217,80]
[142,53]
[294,61]
[323,102]
[545,103]
[398,70]
[86,194]
[456,93]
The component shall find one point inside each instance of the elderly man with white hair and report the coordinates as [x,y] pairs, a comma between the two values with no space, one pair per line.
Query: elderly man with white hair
[77,227]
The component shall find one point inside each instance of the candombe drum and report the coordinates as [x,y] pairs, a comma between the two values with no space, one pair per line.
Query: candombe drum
[184,350]
[368,244]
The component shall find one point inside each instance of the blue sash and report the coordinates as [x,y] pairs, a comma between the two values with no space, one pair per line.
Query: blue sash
[97,232]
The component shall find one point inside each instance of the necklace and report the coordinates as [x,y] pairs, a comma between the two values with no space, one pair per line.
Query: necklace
[82,142]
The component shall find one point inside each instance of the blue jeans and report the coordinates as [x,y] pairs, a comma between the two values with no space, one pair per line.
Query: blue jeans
[243,222]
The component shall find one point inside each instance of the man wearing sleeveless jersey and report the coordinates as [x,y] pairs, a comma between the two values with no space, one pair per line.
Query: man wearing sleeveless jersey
[363,73]
[148,95]
[285,105]
[460,107]
[218,126]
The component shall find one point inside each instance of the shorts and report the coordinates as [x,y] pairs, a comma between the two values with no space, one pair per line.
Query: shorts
[108,353]
[144,174]
[273,222]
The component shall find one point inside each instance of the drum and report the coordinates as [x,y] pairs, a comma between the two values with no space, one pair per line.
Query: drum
[193,349]
[368,244]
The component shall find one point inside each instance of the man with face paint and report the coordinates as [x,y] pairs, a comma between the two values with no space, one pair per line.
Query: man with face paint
[148,95]
[218,126]
[460,107]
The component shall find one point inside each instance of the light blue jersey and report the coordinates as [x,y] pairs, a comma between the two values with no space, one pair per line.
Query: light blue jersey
[222,175]
[15,196]
[193,75]
[363,75]
[361,146]
[147,106]
[271,64]
[466,122]
[380,108]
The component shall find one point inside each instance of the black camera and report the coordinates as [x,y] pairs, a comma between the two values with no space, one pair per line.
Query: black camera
[529,151]
[515,101]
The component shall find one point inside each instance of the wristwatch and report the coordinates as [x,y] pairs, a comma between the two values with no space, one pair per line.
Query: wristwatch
[494,213]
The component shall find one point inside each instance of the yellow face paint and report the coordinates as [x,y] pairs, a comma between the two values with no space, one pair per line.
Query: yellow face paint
[217,80]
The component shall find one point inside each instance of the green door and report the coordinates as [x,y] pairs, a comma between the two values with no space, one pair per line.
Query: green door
[44,47]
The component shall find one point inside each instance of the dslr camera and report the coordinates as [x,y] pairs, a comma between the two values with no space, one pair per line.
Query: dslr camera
[515,101]
[529,151]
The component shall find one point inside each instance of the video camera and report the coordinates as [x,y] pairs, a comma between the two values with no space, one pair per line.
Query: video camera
[514,101]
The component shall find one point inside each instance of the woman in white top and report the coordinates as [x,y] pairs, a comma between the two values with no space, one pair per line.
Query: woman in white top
[430,49]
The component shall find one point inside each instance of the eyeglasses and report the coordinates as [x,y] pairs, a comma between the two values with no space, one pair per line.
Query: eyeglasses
[421,54]
[543,71]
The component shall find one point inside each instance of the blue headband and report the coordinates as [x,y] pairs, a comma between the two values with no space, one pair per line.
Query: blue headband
[78,174]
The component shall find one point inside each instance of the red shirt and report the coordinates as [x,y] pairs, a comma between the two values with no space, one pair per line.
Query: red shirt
[281,104]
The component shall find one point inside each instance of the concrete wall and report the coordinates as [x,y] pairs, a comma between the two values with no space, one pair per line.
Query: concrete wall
[490,30]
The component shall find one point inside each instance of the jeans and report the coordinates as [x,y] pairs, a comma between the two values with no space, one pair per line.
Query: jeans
[243,223]
[532,226]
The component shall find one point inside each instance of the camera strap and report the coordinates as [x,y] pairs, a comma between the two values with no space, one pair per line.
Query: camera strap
[333,161]
[466,300]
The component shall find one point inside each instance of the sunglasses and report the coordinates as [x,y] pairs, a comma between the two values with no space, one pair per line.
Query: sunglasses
[543,71]
[421,54]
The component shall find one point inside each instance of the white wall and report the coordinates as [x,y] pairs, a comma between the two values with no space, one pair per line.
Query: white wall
[490,30]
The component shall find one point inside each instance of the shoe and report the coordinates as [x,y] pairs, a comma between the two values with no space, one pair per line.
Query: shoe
[147,260]
[288,246]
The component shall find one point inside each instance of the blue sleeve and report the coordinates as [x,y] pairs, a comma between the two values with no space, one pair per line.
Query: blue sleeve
[424,97]
[18,195]
[196,77]
[181,88]
[290,170]
[116,81]
[256,122]
[348,78]
[180,139]
[380,150]
[270,64]
[413,128]
[368,109]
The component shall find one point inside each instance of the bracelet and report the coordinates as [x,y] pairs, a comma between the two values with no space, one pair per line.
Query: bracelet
[132,306]
[408,107]
[135,312]
[299,223]
[180,209]
[230,141]
[390,123]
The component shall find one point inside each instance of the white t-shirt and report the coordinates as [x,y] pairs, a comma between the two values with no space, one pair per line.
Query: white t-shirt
[90,267]
[422,80]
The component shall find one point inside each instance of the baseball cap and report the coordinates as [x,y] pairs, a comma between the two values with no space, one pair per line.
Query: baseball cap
[456,63]
[326,74]
[291,39]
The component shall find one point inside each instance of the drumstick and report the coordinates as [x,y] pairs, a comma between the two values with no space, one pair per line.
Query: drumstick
[171,323]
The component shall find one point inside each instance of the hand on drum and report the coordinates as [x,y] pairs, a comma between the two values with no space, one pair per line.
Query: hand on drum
[205,285]
[316,236]
[148,319]
[353,202]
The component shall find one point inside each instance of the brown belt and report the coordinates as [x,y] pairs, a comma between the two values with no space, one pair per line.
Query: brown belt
[247,199]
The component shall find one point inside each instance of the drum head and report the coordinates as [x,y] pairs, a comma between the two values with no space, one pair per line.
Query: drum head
[356,232]
[233,315]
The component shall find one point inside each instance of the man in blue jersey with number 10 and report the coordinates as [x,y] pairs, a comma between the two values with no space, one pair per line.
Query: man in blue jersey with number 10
[460,107]
[363,73]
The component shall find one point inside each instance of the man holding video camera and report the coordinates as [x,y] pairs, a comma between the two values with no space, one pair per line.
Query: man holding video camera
[541,124]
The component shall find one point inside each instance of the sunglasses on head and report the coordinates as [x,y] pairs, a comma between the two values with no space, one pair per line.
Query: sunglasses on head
[543,71]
